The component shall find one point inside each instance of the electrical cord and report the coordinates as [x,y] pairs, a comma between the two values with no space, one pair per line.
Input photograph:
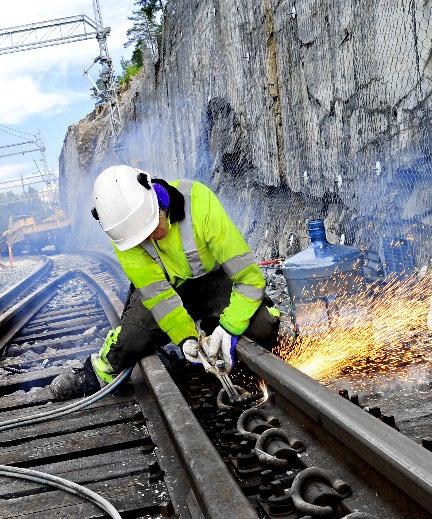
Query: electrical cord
[61,484]
[55,481]
[70,408]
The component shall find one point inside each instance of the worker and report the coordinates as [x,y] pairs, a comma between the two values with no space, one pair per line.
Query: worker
[187,262]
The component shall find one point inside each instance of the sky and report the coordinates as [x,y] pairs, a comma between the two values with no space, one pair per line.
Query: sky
[45,89]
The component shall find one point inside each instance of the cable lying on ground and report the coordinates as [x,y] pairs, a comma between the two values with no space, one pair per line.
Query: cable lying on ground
[61,484]
[70,408]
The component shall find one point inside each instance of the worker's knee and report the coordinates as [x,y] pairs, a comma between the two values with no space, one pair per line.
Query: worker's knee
[132,343]
[264,327]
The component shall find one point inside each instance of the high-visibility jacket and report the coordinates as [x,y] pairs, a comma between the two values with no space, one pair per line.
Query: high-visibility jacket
[204,240]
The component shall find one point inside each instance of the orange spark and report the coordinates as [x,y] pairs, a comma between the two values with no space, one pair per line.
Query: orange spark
[378,330]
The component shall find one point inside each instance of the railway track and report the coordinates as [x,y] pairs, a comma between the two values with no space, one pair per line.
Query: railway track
[25,286]
[120,447]
[171,445]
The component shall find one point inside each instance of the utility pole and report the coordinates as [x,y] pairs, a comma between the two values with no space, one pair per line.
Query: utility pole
[66,30]
[34,143]
[107,74]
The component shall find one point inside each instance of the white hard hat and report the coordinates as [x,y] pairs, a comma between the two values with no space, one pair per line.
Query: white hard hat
[126,205]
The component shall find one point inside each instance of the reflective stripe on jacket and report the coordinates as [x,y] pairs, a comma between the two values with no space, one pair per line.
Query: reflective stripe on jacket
[204,240]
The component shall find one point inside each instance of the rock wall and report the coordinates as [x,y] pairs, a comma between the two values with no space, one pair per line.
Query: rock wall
[289,110]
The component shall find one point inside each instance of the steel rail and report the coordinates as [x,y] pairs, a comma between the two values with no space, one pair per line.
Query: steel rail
[216,490]
[399,459]
[214,487]
[22,286]
[111,304]
[18,315]
[113,265]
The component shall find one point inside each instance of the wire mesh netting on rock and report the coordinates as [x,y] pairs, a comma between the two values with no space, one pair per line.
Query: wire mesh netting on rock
[290,111]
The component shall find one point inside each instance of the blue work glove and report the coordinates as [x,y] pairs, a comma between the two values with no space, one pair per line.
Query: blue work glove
[222,345]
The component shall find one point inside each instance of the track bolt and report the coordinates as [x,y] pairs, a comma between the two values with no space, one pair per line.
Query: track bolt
[166,509]
[247,459]
[427,443]
[374,411]
[155,472]
[264,492]
[266,476]
[389,420]
[235,449]
[355,400]
[279,502]
[344,393]
[219,426]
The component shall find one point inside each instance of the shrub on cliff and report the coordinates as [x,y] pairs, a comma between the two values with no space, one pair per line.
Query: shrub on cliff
[130,68]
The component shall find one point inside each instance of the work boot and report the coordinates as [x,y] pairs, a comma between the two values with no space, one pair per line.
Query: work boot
[75,383]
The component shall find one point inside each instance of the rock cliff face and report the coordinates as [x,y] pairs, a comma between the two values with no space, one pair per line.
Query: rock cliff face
[289,110]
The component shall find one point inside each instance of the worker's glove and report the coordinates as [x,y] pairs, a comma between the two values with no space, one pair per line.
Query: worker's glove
[190,351]
[222,345]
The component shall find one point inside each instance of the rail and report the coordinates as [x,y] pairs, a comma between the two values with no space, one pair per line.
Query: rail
[15,292]
[398,458]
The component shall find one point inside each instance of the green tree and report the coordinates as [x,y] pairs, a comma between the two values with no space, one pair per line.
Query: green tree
[147,25]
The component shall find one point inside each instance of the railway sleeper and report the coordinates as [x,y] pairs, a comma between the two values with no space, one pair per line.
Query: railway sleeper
[50,321]
[48,357]
[62,311]
[58,344]
[52,334]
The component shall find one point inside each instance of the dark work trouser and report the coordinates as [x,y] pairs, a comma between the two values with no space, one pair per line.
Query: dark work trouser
[205,299]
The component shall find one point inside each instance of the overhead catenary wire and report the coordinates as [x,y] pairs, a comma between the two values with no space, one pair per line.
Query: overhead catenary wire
[61,484]
[14,132]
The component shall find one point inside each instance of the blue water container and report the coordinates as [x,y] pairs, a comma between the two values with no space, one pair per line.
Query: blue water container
[317,276]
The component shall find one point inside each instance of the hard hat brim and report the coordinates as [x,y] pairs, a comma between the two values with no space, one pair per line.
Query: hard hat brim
[142,235]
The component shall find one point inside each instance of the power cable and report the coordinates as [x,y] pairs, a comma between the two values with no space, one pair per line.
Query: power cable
[55,481]
[67,409]
[8,130]
[61,484]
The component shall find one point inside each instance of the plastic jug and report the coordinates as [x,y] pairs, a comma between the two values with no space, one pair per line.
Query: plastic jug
[317,276]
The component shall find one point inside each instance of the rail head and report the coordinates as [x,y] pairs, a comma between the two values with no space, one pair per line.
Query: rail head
[17,290]
[214,486]
[111,304]
[399,459]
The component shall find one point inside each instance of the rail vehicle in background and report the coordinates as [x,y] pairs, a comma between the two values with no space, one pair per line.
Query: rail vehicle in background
[25,235]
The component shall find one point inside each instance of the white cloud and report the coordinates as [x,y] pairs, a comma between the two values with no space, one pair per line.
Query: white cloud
[12,171]
[32,82]
[23,96]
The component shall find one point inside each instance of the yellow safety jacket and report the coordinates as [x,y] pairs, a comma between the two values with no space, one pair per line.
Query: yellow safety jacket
[204,240]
